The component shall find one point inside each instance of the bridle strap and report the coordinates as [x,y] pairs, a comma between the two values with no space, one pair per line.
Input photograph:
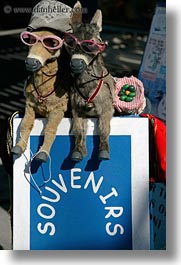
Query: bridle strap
[96,91]
[52,75]
[100,77]
[40,97]
[99,86]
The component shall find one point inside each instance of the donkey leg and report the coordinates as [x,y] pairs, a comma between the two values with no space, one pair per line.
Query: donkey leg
[25,129]
[54,119]
[79,129]
[104,131]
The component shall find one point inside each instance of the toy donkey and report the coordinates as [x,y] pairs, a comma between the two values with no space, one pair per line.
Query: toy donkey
[45,90]
[93,90]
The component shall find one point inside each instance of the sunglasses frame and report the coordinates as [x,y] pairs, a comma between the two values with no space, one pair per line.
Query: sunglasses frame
[101,46]
[41,39]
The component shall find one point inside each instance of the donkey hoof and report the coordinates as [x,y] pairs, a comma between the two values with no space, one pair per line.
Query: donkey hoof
[104,155]
[17,150]
[42,156]
[76,156]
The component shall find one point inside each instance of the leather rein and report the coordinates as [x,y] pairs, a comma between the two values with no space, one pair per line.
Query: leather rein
[96,90]
[39,96]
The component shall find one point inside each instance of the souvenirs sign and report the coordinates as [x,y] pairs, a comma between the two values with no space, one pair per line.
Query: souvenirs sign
[90,205]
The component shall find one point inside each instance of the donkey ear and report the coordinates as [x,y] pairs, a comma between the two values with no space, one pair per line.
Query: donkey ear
[97,19]
[76,17]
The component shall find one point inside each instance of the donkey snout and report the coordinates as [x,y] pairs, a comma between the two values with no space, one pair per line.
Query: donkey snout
[32,64]
[77,66]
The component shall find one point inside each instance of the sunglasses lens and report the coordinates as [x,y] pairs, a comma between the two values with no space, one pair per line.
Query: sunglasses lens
[28,38]
[70,41]
[51,43]
[89,46]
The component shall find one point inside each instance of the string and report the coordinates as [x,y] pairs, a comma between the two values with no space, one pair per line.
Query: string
[29,163]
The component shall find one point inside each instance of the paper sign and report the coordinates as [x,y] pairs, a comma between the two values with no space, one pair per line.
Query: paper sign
[153,68]
[158,216]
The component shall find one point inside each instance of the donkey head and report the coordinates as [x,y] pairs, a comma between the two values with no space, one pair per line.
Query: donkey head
[85,43]
[43,45]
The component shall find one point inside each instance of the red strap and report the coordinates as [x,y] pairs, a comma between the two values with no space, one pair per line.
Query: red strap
[96,91]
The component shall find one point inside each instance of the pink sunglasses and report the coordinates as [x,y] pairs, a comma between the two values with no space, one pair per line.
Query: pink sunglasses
[88,46]
[50,42]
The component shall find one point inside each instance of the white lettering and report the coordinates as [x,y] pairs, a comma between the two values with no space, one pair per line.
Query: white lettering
[112,211]
[47,211]
[44,205]
[43,230]
[103,199]
[62,187]
[73,178]
[92,180]
[57,198]
[115,229]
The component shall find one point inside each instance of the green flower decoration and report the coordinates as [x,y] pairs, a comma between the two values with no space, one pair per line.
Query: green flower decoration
[127,93]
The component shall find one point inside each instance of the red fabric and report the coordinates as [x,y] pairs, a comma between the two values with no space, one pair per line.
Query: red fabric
[157,148]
